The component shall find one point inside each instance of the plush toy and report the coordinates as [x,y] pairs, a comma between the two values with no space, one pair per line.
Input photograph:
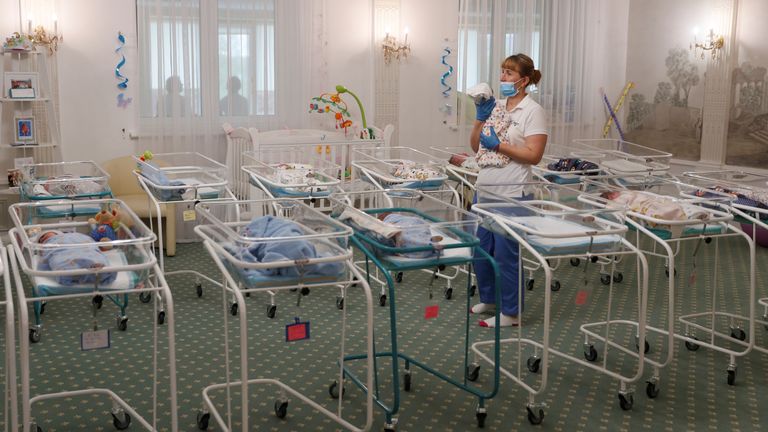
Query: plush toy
[105,225]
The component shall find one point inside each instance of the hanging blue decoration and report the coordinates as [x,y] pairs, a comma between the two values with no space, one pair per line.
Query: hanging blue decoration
[447,73]
[613,116]
[123,80]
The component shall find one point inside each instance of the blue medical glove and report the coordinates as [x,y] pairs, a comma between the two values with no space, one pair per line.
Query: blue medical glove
[485,108]
[490,142]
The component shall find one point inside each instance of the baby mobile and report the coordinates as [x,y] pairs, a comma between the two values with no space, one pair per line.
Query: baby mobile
[332,103]
[122,101]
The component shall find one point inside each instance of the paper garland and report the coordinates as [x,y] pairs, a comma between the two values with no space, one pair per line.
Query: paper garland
[449,72]
[124,81]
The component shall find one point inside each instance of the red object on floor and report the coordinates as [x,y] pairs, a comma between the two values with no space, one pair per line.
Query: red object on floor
[581,297]
[297,331]
[431,311]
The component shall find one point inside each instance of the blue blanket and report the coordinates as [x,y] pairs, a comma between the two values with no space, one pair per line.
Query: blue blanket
[75,258]
[290,250]
[158,177]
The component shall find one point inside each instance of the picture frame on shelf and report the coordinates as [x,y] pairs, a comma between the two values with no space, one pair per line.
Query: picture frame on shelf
[24,130]
[20,85]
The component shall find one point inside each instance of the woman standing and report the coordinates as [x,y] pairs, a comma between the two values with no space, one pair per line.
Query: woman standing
[513,141]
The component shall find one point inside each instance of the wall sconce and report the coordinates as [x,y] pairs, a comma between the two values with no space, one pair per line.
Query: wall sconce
[713,43]
[394,49]
[40,36]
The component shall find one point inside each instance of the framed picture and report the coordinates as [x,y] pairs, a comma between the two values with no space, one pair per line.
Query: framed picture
[24,128]
[20,85]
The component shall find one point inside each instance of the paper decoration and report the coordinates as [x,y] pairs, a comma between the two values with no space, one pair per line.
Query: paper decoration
[449,72]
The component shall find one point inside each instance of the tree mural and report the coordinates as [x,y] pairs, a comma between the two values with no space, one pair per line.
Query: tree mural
[663,93]
[638,110]
[682,73]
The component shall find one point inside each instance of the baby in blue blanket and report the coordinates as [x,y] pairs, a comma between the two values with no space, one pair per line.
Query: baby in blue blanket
[74,258]
[395,230]
[158,177]
[291,250]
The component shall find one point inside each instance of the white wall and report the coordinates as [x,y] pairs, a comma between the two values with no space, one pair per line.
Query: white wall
[430,23]
[91,122]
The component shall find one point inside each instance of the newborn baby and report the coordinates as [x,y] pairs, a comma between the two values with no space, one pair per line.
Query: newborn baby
[82,254]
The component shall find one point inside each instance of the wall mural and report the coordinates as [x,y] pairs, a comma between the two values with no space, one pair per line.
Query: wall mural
[748,120]
[665,120]
[665,106]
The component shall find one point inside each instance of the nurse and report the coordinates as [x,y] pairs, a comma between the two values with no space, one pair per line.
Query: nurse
[513,141]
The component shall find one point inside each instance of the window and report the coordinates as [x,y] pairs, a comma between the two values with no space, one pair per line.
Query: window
[182,76]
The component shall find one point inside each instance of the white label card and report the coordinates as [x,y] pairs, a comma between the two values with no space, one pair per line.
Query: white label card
[189,215]
[93,340]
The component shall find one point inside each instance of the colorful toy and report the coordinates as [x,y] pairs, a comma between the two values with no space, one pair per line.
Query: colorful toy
[146,156]
[105,225]
[332,103]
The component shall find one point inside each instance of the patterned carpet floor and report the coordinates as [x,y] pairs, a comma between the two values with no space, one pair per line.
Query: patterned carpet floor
[694,393]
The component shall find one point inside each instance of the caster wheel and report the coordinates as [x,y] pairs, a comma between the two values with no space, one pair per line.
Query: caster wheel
[529,284]
[271,311]
[98,301]
[575,262]
[407,381]
[692,346]
[202,420]
[739,334]
[354,282]
[533,364]
[333,390]
[340,303]
[626,402]
[555,286]
[233,309]
[473,290]
[383,300]
[399,277]
[593,259]
[34,335]
[122,324]
[42,308]
[535,418]
[161,318]
[708,240]
[281,409]
[305,291]
[473,372]
[145,297]
[38,429]
[605,279]
[666,272]
[618,277]
[448,293]
[651,390]
[591,354]
[647,347]
[121,425]
[731,377]
[199,289]
[481,416]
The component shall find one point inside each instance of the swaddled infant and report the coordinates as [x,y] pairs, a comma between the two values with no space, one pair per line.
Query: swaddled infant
[86,255]
[395,230]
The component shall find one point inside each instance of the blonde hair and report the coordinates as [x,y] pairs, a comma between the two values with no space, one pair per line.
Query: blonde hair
[523,65]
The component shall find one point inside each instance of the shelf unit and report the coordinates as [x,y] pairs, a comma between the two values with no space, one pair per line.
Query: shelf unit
[41,107]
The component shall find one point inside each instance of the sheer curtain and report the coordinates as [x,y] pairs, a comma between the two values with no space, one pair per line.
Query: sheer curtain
[561,38]
[252,63]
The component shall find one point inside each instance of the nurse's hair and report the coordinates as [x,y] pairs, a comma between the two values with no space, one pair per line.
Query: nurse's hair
[523,65]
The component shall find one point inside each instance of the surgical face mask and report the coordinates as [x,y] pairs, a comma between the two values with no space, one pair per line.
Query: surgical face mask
[508,89]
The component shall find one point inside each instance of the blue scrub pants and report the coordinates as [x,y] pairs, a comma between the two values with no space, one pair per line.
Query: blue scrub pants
[506,252]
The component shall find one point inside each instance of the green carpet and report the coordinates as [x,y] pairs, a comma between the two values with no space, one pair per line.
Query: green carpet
[694,394]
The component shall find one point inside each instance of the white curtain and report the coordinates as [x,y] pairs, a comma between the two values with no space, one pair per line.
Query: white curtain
[251,63]
[560,36]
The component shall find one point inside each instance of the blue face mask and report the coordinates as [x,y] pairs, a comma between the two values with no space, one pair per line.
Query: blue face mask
[508,89]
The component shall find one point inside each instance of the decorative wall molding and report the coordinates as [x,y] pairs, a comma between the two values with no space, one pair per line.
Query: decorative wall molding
[717,88]
[386,16]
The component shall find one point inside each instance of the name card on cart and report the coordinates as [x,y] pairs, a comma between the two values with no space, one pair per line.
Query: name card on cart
[96,339]
[297,331]
[189,215]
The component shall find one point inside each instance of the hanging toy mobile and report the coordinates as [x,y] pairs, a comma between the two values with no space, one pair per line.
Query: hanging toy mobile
[332,103]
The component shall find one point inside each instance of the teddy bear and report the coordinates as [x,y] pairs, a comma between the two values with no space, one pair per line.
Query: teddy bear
[106,224]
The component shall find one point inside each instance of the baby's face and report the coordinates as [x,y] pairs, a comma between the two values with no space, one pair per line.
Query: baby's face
[44,237]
